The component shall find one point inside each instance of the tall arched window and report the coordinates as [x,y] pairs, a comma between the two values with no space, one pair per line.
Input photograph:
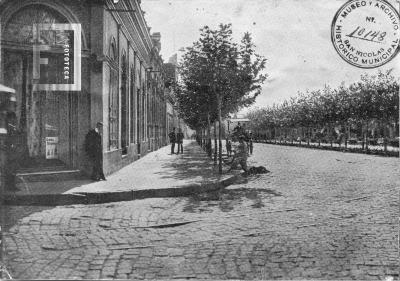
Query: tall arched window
[124,105]
[113,117]
[132,104]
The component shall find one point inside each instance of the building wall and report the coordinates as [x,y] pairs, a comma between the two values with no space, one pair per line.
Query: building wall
[143,97]
[118,31]
[129,35]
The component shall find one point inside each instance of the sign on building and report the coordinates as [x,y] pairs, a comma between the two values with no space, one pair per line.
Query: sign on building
[51,147]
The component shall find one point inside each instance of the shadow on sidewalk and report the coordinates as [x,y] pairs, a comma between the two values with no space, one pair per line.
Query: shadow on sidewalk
[194,164]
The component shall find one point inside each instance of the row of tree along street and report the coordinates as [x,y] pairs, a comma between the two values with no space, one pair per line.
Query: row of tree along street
[364,113]
[217,77]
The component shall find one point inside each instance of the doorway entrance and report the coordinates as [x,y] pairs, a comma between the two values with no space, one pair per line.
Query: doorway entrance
[46,120]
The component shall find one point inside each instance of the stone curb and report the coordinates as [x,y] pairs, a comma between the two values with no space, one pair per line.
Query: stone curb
[108,197]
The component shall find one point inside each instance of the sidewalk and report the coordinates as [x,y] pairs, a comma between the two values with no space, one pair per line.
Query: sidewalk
[158,174]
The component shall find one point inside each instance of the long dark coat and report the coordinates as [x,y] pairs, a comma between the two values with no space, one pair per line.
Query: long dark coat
[93,144]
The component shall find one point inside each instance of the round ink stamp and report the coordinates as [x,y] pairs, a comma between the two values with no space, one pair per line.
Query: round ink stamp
[366,34]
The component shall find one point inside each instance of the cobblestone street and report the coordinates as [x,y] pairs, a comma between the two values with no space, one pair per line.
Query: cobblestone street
[317,214]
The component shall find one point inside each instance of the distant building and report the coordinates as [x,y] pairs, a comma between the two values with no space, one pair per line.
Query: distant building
[231,123]
[173,59]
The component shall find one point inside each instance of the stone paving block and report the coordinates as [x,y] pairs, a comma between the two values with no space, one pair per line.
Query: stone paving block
[200,268]
[216,269]
[124,270]
[245,267]
[175,252]
[93,274]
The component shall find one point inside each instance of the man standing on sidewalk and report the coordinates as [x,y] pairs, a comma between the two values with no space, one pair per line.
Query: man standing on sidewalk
[172,140]
[179,140]
[94,150]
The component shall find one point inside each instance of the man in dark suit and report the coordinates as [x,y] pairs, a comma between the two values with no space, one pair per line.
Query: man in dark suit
[172,140]
[250,143]
[179,140]
[94,150]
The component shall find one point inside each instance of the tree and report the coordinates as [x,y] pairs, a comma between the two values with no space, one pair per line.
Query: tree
[227,76]
[372,99]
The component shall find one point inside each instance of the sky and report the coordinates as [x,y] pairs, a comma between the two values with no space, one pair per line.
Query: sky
[294,36]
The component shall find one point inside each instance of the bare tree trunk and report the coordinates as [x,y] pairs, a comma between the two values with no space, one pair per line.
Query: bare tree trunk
[209,136]
[204,138]
[366,136]
[200,136]
[203,134]
[215,144]
[301,135]
[219,134]
[385,137]
[319,137]
[291,134]
[362,136]
[203,130]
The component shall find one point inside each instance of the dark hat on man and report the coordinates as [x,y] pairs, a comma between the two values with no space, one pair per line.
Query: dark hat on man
[99,124]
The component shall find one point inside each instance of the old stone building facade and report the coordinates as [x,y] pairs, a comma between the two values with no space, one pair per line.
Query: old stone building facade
[121,80]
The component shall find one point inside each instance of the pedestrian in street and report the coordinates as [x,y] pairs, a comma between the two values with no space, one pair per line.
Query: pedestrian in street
[237,131]
[241,154]
[179,140]
[94,150]
[251,143]
[229,147]
[172,140]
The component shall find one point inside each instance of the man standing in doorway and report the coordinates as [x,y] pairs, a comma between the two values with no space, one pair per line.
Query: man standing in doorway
[179,140]
[172,139]
[94,150]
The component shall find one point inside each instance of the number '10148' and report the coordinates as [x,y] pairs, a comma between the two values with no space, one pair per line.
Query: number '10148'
[362,33]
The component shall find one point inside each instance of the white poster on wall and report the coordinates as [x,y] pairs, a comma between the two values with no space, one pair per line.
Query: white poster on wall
[51,147]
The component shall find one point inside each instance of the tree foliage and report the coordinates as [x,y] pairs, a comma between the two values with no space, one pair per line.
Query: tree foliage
[373,97]
[216,66]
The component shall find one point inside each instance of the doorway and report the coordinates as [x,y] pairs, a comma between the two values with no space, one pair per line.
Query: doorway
[46,120]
